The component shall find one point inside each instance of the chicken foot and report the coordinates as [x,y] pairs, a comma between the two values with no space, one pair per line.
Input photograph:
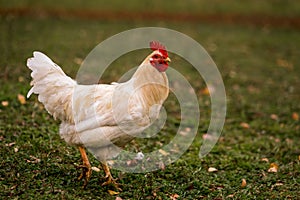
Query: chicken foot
[86,167]
[108,177]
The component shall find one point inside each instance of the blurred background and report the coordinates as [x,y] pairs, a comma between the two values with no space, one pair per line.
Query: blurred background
[255,44]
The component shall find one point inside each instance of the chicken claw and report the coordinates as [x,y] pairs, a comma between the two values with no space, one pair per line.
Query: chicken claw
[86,167]
[109,178]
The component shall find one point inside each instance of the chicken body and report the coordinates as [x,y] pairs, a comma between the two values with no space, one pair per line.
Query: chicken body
[100,117]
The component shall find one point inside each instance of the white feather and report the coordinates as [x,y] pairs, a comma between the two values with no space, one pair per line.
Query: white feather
[98,116]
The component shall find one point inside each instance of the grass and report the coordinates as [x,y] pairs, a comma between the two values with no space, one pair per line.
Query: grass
[260,68]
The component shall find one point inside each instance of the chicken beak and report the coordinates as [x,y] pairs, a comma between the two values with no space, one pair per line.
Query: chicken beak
[168,59]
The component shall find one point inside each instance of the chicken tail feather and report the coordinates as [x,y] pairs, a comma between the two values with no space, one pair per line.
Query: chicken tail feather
[53,86]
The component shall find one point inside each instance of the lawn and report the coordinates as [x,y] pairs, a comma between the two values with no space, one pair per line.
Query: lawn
[261,73]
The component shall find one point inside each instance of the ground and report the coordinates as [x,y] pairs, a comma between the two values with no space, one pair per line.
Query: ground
[260,69]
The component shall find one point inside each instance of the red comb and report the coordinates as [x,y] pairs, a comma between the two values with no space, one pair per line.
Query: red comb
[155,45]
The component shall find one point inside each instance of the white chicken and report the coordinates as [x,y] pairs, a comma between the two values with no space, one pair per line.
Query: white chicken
[101,117]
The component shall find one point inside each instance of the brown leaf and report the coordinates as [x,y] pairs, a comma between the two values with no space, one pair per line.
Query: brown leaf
[21,99]
[111,192]
[244,183]
[273,168]
[205,91]
[174,196]
[78,61]
[265,160]
[4,103]
[284,63]
[295,116]
[163,152]
[96,169]
[21,79]
[10,144]
[245,125]
[274,117]
[212,169]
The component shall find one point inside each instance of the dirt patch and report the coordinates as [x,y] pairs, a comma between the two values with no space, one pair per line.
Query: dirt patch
[256,20]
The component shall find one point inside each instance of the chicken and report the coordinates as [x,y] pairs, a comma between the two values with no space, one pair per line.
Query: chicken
[101,117]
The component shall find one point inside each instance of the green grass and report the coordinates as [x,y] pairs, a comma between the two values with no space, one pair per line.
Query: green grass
[270,7]
[257,86]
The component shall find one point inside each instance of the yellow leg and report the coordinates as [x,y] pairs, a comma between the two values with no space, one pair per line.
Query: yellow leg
[109,178]
[86,167]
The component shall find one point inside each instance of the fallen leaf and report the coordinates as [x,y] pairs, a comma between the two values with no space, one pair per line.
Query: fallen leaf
[163,152]
[16,149]
[299,157]
[174,196]
[21,79]
[4,103]
[205,91]
[10,144]
[265,159]
[284,63]
[273,168]
[212,169]
[21,99]
[274,117]
[278,184]
[244,183]
[34,160]
[245,125]
[207,136]
[96,169]
[78,61]
[118,198]
[162,165]
[295,116]
[111,192]
[230,196]
[131,162]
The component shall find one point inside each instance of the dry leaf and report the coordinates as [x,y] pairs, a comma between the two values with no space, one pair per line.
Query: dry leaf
[274,117]
[78,61]
[245,125]
[295,116]
[299,157]
[244,183]
[4,103]
[34,160]
[96,169]
[21,79]
[162,165]
[207,136]
[111,192]
[163,152]
[21,99]
[205,91]
[212,169]
[118,198]
[131,162]
[230,196]
[16,149]
[273,168]
[284,63]
[10,144]
[265,159]
[174,196]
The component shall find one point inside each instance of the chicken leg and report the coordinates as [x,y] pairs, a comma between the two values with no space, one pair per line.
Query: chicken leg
[86,167]
[108,176]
